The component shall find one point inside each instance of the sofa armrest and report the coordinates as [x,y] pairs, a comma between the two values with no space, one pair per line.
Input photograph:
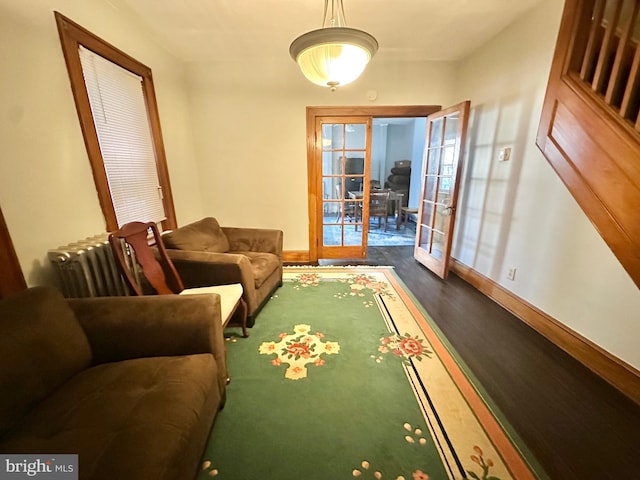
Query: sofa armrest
[203,269]
[120,328]
[254,240]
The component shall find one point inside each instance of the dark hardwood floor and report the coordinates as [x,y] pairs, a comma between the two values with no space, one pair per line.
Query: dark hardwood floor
[574,423]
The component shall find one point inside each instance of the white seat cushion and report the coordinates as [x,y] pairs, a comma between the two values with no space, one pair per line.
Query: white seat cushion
[229,297]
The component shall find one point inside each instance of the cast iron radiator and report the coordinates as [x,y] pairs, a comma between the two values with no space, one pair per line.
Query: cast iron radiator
[87,268]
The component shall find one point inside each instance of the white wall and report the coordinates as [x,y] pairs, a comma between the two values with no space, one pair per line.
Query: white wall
[399,145]
[250,130]
[47,193]
[419,141]
[518,213]
[380,132]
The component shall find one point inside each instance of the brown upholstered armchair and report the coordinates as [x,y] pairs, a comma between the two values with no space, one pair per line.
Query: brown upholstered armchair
[204,253]
[131,385]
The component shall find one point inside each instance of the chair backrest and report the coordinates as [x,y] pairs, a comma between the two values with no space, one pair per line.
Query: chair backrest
[378,202]
[134,252]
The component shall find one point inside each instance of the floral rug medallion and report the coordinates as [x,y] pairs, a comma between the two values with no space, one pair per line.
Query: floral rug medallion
[298,349]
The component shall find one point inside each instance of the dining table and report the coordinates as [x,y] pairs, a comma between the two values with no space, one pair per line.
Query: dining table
[395,199]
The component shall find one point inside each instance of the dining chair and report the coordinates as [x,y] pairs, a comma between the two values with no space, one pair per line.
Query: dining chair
[149,270]
[346,209]
[379,206]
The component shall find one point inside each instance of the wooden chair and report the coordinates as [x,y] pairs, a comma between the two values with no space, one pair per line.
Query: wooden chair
[347,209]
[403,216]
[379,206]
[149,270]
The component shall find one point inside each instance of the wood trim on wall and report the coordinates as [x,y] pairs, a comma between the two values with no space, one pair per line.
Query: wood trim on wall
[11,277]
[296,256]
[621,375]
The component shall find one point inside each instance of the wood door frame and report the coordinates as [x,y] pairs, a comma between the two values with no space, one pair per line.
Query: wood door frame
[315,112]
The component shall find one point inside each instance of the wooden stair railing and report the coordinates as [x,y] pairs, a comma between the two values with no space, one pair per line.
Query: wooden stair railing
[11,277]
[590,124]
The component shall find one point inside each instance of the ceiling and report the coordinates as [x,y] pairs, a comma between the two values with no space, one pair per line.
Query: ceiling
[240,30]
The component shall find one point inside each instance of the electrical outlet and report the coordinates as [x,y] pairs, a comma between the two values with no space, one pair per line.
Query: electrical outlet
[511,274]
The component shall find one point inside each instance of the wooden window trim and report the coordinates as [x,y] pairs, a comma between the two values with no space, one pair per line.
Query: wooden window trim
[72,36]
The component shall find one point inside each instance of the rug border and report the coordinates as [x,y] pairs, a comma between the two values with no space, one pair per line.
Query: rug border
[517,456]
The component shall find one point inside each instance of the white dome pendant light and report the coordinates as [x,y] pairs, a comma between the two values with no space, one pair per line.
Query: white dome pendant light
[335,54]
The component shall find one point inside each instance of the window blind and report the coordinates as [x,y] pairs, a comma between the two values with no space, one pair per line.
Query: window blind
[124,134]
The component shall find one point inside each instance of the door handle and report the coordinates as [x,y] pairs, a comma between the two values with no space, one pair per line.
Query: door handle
[447,211]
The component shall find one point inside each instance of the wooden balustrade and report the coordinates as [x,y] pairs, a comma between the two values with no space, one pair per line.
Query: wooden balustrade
[590,124]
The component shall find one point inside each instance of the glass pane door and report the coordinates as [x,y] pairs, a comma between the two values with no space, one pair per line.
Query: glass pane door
[443,153]
[344,163]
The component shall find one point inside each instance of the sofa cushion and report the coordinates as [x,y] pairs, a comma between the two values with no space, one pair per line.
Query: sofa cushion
[262,265]
[42,346]
[132,419]
[204,235]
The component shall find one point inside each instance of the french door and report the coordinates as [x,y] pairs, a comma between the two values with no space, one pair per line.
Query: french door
[346,239]
[446,133]
[343,151]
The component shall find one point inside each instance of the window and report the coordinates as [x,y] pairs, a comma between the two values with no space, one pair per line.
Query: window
[116,105]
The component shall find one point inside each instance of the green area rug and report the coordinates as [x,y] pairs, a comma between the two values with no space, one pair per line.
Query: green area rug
[344,375]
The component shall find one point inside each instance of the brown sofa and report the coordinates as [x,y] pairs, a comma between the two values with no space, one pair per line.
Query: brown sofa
[130,384]
[204,253]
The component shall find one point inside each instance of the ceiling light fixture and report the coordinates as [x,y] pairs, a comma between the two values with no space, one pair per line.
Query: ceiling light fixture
[335,54]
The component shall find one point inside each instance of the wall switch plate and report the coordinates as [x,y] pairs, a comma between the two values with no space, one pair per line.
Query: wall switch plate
[511,274]
[505,154]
